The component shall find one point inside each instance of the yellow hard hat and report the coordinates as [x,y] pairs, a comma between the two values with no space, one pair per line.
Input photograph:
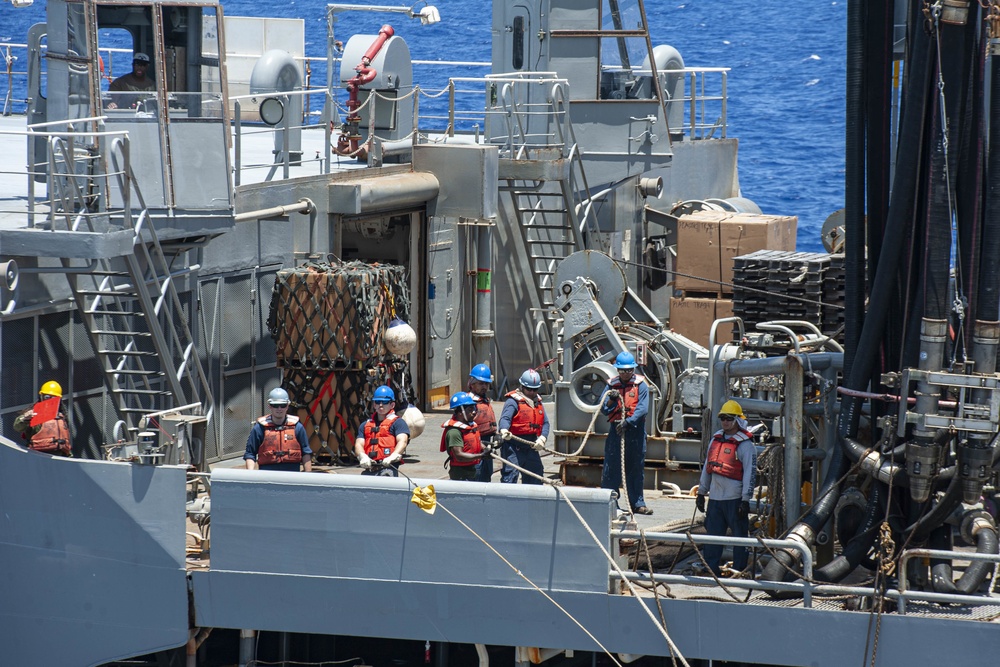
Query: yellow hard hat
[51,388]
[731,408]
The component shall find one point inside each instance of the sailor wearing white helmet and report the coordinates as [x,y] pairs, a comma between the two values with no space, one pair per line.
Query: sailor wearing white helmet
[278,441]
[524,426]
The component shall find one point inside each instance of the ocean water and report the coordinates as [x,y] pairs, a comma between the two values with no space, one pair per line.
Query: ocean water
[786,84]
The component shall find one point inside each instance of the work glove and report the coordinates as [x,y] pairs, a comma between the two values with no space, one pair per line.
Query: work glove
[505,434]
[743,511]
[699,502]
[621,427]
[392,459]
[539,443]
[365,462]
[613,395]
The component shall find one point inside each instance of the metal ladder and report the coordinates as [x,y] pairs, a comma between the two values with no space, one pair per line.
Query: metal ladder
[136,321]
[553,206]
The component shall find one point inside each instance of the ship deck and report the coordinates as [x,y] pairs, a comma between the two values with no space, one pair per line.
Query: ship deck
[680,576]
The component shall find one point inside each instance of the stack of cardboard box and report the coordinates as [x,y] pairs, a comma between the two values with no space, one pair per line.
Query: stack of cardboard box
[707,242]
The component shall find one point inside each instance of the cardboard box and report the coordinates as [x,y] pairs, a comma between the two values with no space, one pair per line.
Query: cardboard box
[707,241]
[743,233]
[698,252]
[693,317]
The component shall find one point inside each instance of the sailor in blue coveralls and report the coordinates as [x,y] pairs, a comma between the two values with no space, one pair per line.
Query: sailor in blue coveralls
[626,402]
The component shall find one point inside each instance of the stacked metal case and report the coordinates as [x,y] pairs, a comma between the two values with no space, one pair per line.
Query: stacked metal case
[782,285]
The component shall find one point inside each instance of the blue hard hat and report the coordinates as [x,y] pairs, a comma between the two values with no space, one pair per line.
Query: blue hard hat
[530,379]
[278,396]
[482,373]
[384,394]
[458,399]
[625,361]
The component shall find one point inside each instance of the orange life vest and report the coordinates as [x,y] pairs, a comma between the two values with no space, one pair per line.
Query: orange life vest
[722,459]
[280,444]
[379,442]
[527,422]
[629,397]
[471,444]
[485,419]
[53,436]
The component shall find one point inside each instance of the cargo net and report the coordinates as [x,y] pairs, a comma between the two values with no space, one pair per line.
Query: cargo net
[328,323]
[334,404]
[334,316]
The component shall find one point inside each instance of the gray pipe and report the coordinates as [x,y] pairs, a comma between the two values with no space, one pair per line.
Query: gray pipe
[793,438]
[974,455]
[248,648]
[922,454]
[483,333]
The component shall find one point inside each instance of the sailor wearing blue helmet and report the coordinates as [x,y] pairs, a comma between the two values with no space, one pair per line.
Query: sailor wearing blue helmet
[460,438]
[480,378]
[625,402]
[382,439]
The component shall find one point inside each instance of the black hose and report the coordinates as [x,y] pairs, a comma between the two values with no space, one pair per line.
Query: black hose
[975,574]
[855,282]
[942,580]
[988,296]
[860,544]
[883,293]
[879,94]
[937,230]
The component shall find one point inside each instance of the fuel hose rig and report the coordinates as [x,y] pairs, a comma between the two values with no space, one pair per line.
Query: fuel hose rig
[916,438]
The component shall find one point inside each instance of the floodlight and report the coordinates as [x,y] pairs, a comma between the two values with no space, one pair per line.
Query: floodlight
[428,15]
[272,111]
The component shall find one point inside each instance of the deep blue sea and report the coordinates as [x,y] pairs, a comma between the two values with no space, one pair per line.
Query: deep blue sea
[786,84]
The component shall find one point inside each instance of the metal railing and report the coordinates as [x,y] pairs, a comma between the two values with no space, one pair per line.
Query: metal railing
[952,598]
[805,586]
[75,171]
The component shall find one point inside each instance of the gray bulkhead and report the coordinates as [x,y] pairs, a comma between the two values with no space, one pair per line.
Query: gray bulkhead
[94,559]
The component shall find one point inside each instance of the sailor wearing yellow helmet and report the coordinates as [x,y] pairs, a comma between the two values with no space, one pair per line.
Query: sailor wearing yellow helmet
[728,478]
[50,435]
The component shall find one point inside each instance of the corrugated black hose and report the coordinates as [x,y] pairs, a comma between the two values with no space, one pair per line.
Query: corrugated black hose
[884,284]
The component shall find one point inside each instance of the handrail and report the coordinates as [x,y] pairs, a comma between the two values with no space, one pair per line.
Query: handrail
[805,586]
[809,589]
[928,596]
